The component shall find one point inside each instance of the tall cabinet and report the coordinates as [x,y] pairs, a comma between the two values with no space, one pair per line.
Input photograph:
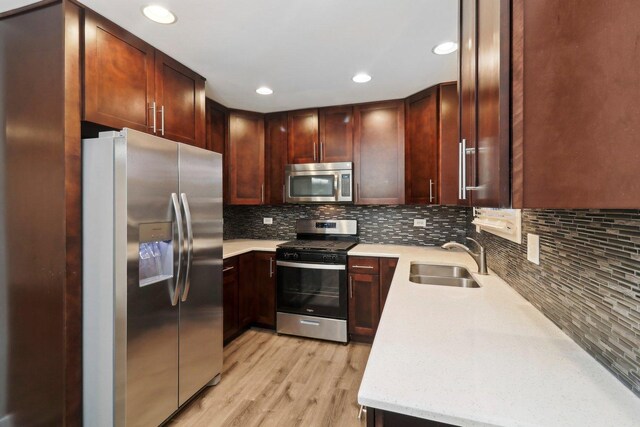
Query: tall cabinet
[246,159]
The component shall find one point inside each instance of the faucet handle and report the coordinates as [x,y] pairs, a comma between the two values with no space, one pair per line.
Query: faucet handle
[476,242]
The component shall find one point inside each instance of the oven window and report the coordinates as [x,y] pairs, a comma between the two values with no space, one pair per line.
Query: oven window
[313,185]
[312,292]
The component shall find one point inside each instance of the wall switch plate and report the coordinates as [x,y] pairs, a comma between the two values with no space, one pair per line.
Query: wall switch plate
[267,221]
[419,222]
[533,248]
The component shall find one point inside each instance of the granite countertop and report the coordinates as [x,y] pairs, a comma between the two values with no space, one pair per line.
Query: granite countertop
[231,248]
[480,357]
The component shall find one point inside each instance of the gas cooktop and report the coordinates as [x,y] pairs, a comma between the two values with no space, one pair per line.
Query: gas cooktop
[327,245]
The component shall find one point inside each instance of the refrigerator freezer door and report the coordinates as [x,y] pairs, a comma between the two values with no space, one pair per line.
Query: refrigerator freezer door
[201,295]
[152,319]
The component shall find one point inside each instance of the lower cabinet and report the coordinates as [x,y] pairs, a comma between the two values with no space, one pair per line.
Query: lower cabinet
[380,418]
[248,292]
[369,283]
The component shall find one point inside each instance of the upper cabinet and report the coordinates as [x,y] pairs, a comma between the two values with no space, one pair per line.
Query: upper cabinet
[336,134]
[275,129]
[180,102]
[119,75]
[378,153]
[576,118]
[303,136]
[246,159]
[485,103]
[217,119]
[448,134]
[130,84]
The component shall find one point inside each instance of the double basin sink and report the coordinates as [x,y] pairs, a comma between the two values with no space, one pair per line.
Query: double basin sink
[442,275]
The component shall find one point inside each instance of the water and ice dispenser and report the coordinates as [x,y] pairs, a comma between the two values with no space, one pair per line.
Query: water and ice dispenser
[155,253]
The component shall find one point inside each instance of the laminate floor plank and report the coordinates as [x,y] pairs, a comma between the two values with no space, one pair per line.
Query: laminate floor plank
[282,381]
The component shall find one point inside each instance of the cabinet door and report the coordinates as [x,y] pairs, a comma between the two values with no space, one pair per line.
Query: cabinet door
[216,137]
[246,290]
[493,173]
[230,298]
[276,159]
[468,56]
[448,144]
[118,76]
[364,304]
[246,158]
[265,267]
[387,270]
[303,136]
[180,99]
[421,147]
[378,153]
[336,134]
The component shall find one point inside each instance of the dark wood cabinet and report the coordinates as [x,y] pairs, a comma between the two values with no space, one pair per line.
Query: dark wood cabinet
[265,283]
[448,143]
[421,147]
[364,304]
[387,270]
[246,159]
[378,153]
[119,76]
[275,127]
[303,136]
[575,104]
[246,289]
[485,101]
[336,134]
[230,298]
[180,100]
[217,119]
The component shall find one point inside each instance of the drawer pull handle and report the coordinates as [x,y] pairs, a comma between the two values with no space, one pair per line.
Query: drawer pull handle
[309,322]
[363,266]
[227,269]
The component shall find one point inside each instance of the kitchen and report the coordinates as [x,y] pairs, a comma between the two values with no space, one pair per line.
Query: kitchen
[306,180]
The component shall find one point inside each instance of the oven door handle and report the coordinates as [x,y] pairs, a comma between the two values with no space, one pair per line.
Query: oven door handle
[311,266]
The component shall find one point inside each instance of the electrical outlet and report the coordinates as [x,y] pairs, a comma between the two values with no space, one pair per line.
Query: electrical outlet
[533,248]
[419,222]
[267,221]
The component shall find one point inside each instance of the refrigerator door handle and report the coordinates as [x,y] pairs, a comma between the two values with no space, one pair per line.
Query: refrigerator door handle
[175,297]
[187,276]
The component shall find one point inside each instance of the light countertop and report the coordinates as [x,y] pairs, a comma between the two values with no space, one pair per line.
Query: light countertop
[231,248]
[480,357]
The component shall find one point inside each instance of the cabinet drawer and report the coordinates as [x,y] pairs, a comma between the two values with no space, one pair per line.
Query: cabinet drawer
[230,265]
[366,265]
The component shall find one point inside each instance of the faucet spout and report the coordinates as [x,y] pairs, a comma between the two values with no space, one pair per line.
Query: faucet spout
[479,257]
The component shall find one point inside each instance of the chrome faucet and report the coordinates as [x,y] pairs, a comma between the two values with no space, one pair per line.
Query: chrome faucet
[479,257]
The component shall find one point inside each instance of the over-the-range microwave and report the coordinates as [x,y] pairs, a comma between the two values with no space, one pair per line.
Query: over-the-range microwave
[319,183]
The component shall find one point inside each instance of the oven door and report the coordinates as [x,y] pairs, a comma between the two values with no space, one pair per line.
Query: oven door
[312,289]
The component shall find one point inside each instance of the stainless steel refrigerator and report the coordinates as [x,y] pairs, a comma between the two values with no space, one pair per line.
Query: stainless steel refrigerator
[152,297]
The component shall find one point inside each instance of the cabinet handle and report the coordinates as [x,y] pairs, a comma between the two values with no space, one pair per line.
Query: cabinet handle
[362,266]
[463,170]
[262,194]
[271,267]
[162,120]
[321,151]
[227,269]
[357,192]
[315,153]
[152,107]
[431,198]
[350,286]
[284,199]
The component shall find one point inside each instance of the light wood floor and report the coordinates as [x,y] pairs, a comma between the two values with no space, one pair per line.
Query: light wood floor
[271,380]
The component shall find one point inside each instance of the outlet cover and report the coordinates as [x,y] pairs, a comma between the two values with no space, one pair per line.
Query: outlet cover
[533,248]
[267,221]
[419,222]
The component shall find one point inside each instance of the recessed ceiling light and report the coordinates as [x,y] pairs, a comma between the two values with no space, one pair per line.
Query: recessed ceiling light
[445,48]
[159,14]
[264,90]
[361,78]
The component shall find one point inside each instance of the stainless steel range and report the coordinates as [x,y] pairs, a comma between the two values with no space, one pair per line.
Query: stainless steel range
[312,279]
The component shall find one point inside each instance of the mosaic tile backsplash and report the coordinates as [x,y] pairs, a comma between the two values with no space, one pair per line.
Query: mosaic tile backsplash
[377,224]
[588,280]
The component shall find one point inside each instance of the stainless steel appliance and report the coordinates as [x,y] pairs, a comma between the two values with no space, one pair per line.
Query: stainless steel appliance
[312,279]
[152,299]
[319,183]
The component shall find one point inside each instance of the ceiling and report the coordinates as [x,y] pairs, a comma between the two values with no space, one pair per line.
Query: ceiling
[305,50]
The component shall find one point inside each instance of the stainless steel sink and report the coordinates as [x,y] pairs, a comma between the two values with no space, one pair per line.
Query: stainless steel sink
[442,275]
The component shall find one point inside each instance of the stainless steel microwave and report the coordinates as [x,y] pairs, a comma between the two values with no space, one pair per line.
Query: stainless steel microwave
[319,183]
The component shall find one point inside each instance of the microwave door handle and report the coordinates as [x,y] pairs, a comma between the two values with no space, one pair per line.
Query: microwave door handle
[335,187]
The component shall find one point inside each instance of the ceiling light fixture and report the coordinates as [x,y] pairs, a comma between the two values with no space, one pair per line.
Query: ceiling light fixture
[264,90]
[445,48]
[159,14]
[361,78]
